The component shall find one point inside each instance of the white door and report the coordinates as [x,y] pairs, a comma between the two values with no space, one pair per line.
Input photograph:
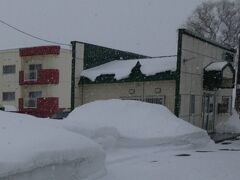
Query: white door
[209,112]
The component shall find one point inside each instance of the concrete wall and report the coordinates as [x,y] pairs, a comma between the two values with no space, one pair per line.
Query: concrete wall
[9,82]
[92,92]
[196,55]
[79,58]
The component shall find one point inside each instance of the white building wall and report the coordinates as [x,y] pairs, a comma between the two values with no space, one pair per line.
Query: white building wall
[92,92]
[196,55]
[79,58]
[10,82]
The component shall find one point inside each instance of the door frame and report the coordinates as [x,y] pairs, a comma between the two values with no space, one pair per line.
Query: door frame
[206,115]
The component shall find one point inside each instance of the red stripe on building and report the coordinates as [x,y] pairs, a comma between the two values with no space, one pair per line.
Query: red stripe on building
[44,76]
[45,107]
[41,50]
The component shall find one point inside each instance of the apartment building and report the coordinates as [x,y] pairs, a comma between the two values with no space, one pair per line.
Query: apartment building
[36,80]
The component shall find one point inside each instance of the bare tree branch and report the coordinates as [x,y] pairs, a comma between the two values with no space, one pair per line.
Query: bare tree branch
[218,21]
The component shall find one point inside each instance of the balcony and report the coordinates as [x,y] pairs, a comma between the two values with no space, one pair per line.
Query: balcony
[40,107]
[39,77]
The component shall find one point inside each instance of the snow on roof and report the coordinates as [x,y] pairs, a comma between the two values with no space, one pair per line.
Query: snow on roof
[122,68]
[216,66]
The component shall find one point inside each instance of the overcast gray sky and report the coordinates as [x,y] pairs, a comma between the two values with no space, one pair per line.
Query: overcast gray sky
[144,26]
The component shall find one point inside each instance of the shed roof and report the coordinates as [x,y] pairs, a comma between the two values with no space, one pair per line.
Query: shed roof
[216,66]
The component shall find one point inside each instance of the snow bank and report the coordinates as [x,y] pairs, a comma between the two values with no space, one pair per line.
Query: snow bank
[33,149]
[122,68]
[133,123]
[10,108]
[232,125]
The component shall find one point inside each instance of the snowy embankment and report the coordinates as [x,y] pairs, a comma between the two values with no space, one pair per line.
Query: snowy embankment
[31,148]
[232,125]
[118,123]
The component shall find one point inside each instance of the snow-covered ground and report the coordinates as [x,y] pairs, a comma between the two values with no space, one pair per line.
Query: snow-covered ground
[220,163]
[230,126]
[141,141]
[31,149]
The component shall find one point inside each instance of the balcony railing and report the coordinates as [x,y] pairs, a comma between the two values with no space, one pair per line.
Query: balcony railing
[30,103]
[30,76]
[41,107]
[39,77]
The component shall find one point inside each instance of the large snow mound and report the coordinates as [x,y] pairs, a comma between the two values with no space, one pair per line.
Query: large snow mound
[133,123]
[232,125]
[32,148]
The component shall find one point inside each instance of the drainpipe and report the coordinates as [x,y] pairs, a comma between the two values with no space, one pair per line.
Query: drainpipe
[143,91]
[82,92]
[73,75]
[237,99]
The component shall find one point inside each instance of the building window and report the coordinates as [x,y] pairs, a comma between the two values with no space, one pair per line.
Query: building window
[227,56]
[9,69]
[135,98]
[35,94]
[131,91]
[158,90]
[226,105]
[31,102]
[150,99]
[8,96]
[192,104]
[32,74]
[34,67]
[227,101]
[155,100]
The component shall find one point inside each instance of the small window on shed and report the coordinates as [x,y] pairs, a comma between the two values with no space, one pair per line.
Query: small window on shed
[226,105]
[155,100]
[192,104]
[227,56]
